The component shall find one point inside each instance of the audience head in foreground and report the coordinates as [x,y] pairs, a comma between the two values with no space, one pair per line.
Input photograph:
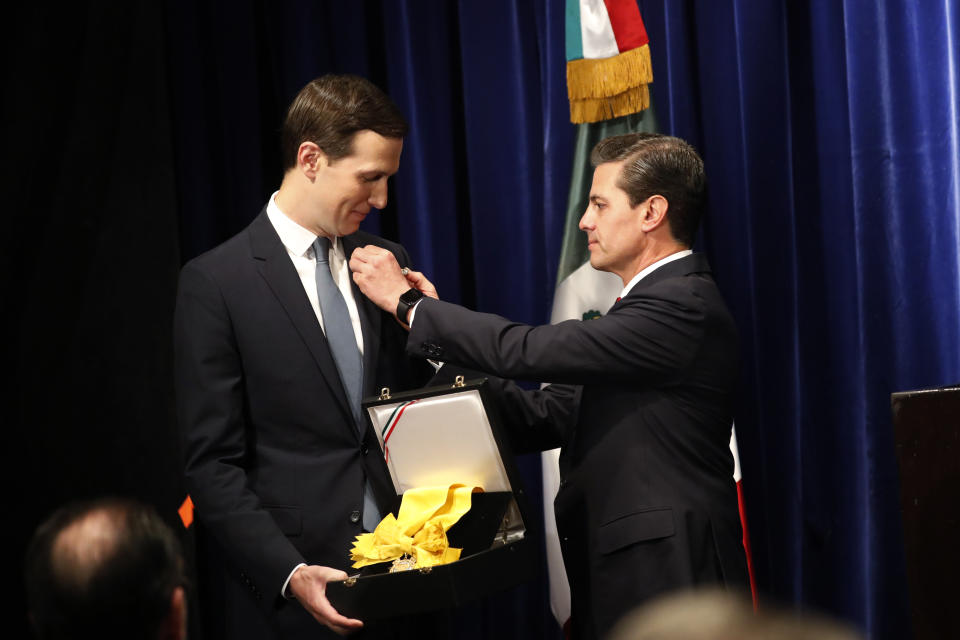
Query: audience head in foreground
[716,614]
[106,569]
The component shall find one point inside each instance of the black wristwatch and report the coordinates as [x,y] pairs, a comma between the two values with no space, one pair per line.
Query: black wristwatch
[407,300]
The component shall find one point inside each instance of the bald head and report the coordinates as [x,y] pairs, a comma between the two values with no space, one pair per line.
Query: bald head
[107,569]
[84,545]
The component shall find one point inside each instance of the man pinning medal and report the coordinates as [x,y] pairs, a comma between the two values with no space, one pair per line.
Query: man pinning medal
[641,400]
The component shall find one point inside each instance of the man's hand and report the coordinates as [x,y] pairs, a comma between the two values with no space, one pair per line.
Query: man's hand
[376,272]
[309,586]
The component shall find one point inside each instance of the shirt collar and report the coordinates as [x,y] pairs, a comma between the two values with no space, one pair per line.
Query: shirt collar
[298,240]
[653,267]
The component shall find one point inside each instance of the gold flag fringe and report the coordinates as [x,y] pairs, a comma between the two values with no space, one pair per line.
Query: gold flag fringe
[597,109]
[605,88]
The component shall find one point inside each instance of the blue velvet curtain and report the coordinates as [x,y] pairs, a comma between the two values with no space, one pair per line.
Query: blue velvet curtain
[830,135]
[829,131]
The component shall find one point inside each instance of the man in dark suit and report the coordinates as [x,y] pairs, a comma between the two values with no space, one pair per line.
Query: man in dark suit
[647,502]
[274,348]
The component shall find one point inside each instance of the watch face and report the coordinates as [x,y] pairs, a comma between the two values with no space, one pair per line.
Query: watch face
[407,299]
[411,296]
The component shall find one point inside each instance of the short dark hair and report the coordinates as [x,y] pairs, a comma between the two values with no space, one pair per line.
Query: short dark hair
[330,110]
[113,579]
[657,164]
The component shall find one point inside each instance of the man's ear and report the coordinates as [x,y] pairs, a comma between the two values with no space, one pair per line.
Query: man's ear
[311,159]
[656,213]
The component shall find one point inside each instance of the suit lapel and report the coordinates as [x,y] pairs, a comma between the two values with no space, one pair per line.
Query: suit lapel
[275,266]
[370,318]
[694,263]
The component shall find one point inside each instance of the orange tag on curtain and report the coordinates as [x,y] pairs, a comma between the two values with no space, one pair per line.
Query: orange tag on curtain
[186,512]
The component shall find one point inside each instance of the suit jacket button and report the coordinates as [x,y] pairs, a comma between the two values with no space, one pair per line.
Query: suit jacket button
[364,450]
[354,517]
[431,349]
[563,483]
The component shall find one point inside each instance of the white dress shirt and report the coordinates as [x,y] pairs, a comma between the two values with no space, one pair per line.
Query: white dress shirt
[299,244]
[653,267]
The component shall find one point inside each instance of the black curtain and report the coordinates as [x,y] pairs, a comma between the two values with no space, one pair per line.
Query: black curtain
[90,255]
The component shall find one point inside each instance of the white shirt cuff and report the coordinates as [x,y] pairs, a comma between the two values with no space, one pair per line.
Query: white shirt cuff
[413,313]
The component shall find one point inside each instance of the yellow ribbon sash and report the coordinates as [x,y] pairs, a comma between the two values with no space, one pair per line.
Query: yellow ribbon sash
[420,529]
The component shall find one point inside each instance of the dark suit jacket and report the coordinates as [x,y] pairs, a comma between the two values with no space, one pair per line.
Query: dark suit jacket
[647,502]
[274,460]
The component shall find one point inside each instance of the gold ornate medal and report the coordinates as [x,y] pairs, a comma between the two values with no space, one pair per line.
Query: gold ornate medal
[403,563]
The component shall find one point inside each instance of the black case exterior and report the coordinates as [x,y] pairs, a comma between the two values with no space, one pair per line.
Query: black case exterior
[375,593]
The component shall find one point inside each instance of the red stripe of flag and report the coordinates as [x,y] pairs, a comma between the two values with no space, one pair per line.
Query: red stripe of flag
[627,24]
[746,543]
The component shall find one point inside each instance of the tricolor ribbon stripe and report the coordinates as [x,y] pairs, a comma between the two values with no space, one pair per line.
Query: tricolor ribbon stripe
[392,424]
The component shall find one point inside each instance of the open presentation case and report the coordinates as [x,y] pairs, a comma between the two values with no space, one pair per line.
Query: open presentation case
[440,436]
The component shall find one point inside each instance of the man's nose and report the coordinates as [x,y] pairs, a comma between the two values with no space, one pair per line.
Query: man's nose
[585,221]
[378,197]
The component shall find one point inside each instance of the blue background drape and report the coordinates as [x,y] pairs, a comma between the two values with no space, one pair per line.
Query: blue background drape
[830,136]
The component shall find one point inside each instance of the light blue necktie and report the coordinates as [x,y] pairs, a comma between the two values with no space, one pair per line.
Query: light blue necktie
[343,346]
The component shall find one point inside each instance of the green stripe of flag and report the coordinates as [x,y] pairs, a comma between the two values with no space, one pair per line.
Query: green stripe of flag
[574,39]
